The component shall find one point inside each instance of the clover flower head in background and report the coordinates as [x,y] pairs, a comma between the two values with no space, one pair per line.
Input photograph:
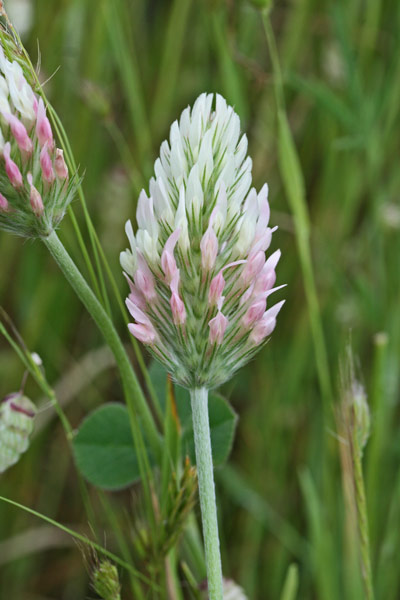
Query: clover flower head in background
[35,188]
[200,282]
[17,414]
[230,591]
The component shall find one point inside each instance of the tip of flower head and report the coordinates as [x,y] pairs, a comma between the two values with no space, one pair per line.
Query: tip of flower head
[177,306]
[209,248]
[143,333]
[19,132]
[60,166]
[26,145]
[143,329]
[46,165]
[12,170]
[217,327]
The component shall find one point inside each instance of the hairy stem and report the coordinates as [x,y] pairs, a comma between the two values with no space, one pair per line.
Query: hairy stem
[202,439]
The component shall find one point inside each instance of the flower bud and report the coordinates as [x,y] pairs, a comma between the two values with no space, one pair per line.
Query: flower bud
[254,312]
[4,207]
[209,249]
[43,127]
[35,198]
[19,132]
[105,581]
[144,280]
[143,330]
[47,166]
[12,170]
[60,167]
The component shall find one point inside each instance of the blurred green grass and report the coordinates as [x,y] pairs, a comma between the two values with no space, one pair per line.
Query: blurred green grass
[118,74]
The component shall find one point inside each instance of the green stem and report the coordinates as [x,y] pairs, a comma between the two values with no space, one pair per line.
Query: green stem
[202,439]
[365,554]
[136,402]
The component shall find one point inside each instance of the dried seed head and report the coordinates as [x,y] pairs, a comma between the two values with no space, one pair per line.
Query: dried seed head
[197,271]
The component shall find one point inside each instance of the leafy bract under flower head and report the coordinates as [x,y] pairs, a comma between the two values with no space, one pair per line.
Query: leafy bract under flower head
[198,275]
[35,189]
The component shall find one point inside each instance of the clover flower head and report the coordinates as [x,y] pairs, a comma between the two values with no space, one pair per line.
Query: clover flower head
[17,414]
[200,283]
[35,188]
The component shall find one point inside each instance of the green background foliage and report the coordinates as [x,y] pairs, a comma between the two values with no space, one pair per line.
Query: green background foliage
[118,73]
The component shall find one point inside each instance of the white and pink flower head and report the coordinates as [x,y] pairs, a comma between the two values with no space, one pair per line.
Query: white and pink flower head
[200,282]
[35,189]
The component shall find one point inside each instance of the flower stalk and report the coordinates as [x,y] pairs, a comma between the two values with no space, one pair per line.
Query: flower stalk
[202,439]
[200,283]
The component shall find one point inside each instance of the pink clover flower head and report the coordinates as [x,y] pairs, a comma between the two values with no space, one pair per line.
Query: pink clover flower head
[27,147]
[197,269]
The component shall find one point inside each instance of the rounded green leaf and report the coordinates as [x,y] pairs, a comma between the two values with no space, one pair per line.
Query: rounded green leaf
[103,448]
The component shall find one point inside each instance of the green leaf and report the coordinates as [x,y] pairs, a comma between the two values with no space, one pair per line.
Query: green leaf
[103,448]
[291,584]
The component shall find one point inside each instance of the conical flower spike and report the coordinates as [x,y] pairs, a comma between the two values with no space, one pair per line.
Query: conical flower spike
[197,265]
